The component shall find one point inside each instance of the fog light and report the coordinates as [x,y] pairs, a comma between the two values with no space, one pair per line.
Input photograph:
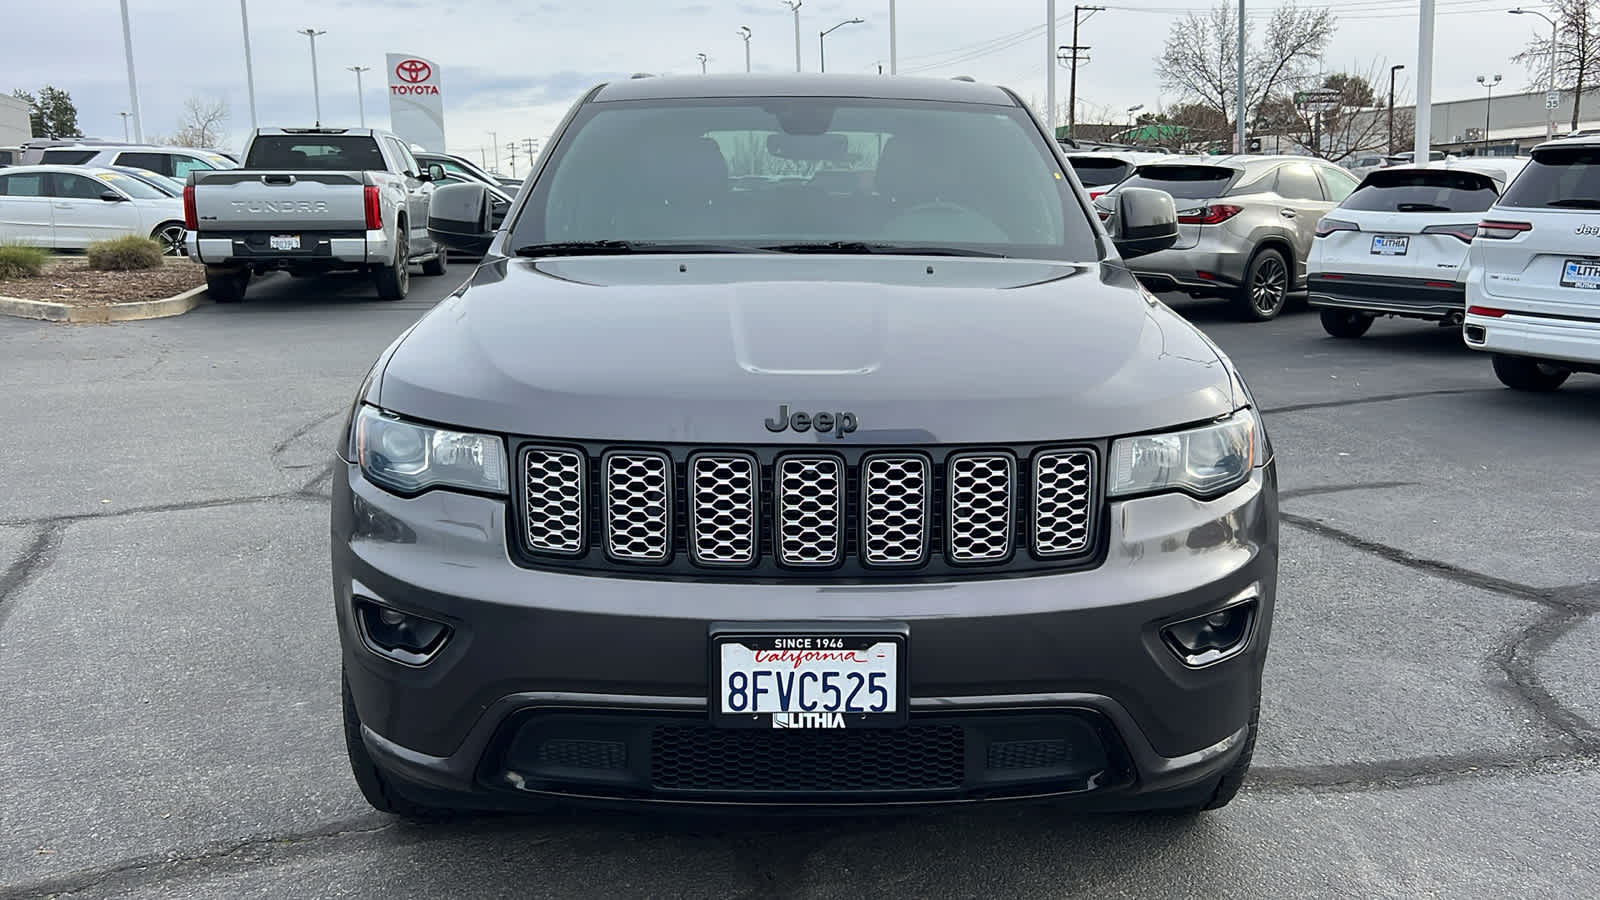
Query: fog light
[1213,637]
[407,639]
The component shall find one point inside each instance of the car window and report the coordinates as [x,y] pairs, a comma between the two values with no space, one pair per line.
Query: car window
[453,167]
[22,185]
[919,173]
[160,163]
[133,187]
[1565,177]
[67,157]
[1337,184]
[314,152]
[1423,190]
[402,156]
[1297,181]
[1183,182]
[75,187]
[183,165]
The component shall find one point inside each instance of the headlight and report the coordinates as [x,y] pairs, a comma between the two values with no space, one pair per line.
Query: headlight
[1206,460]
[408,457]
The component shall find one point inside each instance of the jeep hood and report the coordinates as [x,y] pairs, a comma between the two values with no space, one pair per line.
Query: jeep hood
[705,349]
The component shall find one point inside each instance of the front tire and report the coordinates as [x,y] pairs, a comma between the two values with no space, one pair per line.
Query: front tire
[394,281]
[1345,323]
[1265,289]
[1524,373]
[226,285]
[374,785]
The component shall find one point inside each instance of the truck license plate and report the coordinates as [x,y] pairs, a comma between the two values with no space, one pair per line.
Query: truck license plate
[285,241]
[1581,273]
[1390,245]
[808,680]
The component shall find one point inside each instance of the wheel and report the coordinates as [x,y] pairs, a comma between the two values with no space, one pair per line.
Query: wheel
[1525,373]
[170,236]
[438,265]
[1266,286]
[1345,323]
[394,281]
[226,285]
[370,779]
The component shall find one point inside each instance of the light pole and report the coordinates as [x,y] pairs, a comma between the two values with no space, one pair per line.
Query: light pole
[1050,67]
[1238,101]
[1488,104]
[133,80]
[124,125]
[360,97]
[894,55]
[1424,125]
[316,86]
[249,70]
[744,33]
[1131,121]
[1392,70]
[822,52]
[795,6]
[1549,123]
[494,141]
[702,57]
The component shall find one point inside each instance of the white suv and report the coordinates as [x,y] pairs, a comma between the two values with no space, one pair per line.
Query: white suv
[173,162]
[1533,290]
[1397,246]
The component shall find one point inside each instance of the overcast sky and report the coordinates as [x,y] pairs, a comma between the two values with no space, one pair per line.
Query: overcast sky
[514,67]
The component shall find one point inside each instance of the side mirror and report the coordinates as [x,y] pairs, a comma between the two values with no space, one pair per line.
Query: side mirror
[434,172]
[460,217]
[111,196]
[1145,221]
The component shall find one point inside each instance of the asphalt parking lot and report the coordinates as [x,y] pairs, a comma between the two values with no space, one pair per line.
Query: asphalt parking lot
[169,666]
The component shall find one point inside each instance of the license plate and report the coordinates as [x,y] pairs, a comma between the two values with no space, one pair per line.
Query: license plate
[1581,273]
[1390,245]
[285,241]
[808,679]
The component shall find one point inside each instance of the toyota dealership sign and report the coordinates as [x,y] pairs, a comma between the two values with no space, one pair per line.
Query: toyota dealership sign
[416,103]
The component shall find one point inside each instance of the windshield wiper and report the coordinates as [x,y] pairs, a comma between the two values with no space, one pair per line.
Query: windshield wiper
[1576,203]
[614,247]
[1422,207]
[865,247]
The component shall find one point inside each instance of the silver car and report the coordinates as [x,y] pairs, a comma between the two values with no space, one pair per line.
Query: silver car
[1245,225]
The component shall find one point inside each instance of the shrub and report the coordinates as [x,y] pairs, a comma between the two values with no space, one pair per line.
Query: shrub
[124,253]
[20,261]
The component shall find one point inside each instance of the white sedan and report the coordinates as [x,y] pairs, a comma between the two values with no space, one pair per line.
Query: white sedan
[71,207]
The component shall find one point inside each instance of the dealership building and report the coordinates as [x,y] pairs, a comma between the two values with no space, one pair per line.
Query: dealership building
[14,126]
[1508,124]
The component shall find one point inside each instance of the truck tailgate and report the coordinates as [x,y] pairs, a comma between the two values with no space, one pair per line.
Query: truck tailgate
[245,200]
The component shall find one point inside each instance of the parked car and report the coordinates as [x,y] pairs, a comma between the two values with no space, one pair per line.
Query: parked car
[1245,224]
[1398,245]
[172,187]
[1533,285]
[71,207]
[1101,170]
[460,165]
[172,161]
[804,498]
[1360,165]
[311,200]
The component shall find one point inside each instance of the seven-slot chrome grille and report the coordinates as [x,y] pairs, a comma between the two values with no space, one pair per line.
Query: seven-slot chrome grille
[855,512]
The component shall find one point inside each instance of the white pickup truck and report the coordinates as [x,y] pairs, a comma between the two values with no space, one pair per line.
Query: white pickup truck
[312,200]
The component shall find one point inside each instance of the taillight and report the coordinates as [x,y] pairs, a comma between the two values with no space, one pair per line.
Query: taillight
[1326,227]
[1095,195]
[1210,215]
[1502,231]
[374,208]
[1462,233]
[191,218]
[1489,311]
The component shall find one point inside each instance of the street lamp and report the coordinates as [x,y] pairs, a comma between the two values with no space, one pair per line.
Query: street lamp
[822,51]
[316,87]
[1131,110]
[124,125]
[360,97]
[249,70]
[133,80]
[1392,70]
[744,32]
[494,141]
[795,5]
[702,57]
[1486,82]
[1549,123]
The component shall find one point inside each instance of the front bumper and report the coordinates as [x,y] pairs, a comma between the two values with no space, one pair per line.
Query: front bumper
[616,669]
[1408,297]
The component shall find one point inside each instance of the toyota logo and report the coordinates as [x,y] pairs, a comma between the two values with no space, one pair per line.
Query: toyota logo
[413,71]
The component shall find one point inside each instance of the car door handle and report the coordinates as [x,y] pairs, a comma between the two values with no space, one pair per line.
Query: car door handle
[63,206]
[1286,213]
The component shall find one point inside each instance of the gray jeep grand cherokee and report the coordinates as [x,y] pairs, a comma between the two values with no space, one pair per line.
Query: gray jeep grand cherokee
[802,442]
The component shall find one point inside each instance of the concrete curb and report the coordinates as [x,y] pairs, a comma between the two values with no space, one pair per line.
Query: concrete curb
[175,305]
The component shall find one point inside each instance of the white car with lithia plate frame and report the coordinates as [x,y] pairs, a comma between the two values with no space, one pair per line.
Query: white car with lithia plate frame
[1397,246]
[1533,293]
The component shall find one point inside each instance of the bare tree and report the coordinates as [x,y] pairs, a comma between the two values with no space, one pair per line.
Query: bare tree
[1200,60]
[202,124]
[1577,50]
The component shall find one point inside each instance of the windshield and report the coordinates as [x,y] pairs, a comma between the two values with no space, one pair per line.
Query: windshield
[1183,182]
[827,174]
[1423,191]
[133,187]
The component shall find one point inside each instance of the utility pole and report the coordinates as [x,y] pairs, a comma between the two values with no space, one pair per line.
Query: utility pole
[529,145]
[1050,67]
[795,6]
[1238,104]
[1392,70]
[316,85]
[1072,81]
[249,70]
[513,148]
[361,98]
[133,80]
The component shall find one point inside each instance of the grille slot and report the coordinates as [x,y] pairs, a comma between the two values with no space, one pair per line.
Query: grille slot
[554,482]
[722,504]
[894,510]
[810,507]
[638,506]
[980,507]
[1063,498]
[915,758]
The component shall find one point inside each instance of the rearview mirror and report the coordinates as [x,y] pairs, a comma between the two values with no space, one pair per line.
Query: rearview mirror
[111,196]
[1145,221]
[460,217]
[809,147]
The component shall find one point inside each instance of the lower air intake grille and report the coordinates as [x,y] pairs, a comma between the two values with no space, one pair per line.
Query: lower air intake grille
[701,758]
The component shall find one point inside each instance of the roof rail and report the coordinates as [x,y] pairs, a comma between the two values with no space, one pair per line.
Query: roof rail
[964,78]
[640,75]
